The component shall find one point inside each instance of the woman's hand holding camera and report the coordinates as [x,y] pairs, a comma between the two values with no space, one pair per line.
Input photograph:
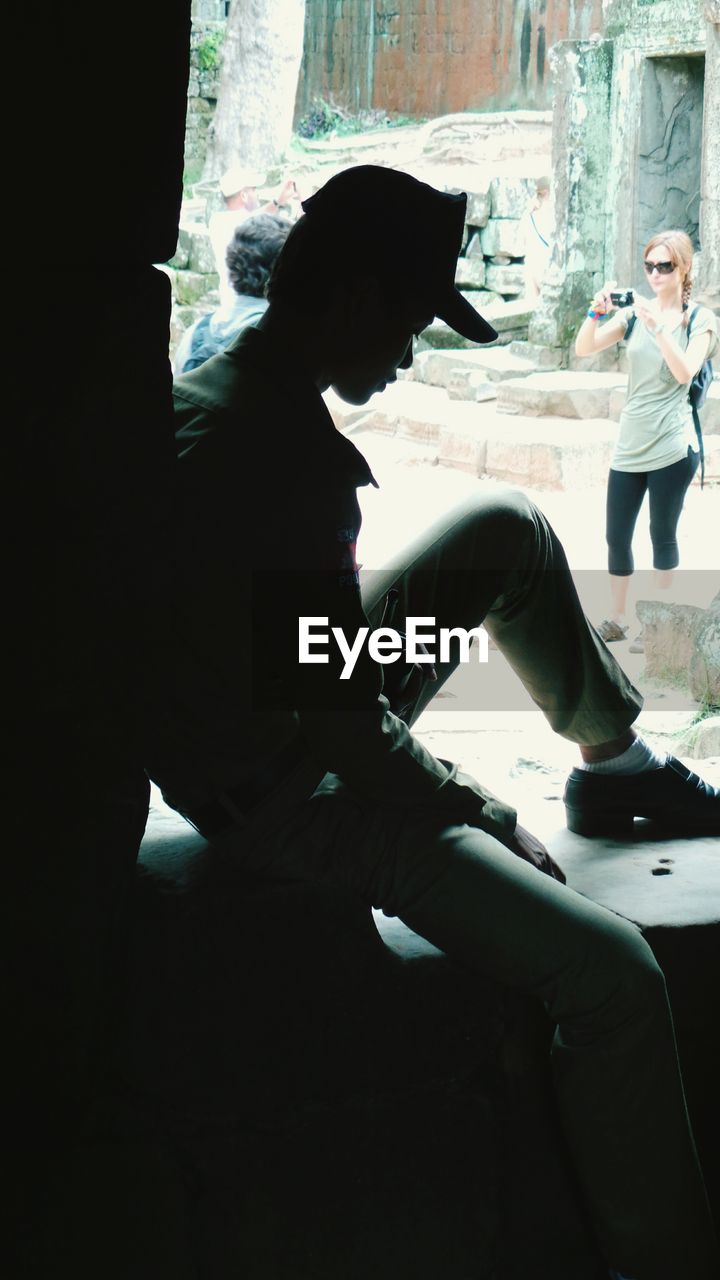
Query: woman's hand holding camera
[602,303]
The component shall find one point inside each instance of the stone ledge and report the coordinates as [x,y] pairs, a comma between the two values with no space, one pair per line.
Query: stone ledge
[561,393]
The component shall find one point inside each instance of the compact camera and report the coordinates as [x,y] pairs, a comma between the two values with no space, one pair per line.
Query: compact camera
[622,298]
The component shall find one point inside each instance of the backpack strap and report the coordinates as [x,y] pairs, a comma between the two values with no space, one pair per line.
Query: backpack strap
[630,326]
[693,408]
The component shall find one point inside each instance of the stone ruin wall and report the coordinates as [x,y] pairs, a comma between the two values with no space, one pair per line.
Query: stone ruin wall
[636,144]
[413,58]
[424,58]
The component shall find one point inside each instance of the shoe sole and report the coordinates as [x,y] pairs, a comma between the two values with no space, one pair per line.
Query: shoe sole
[614,826]
[621,826]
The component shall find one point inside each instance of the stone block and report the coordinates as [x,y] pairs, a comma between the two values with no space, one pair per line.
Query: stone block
[509,197]
[701,741]
[473,247]
[508,280]
[201,257]
[440,368]
[705,659]
[463,448]
[191,287]
[503,236]
[478,198]
[541,356]
[470,273]
[604,362]
[495,363]
[561,393]
[616,403]
[670,633]
[417,412]
[471,385]
[555,453]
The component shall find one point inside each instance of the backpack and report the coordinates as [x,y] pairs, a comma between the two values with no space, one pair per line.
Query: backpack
[697,391]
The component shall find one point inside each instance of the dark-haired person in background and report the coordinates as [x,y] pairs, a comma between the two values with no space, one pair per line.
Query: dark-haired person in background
[250,258]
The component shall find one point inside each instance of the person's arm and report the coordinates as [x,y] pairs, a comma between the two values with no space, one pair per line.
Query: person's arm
[683,362]
[592,336]
[285,197]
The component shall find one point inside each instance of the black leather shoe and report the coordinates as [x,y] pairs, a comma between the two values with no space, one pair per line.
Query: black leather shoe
[598,804]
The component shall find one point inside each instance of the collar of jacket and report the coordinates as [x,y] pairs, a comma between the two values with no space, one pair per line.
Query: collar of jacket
[336,451]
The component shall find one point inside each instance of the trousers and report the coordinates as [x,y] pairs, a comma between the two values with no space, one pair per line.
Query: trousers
[666,489]
[614,1058]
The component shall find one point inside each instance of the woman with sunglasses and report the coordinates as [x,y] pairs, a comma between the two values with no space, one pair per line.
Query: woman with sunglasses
[654,450]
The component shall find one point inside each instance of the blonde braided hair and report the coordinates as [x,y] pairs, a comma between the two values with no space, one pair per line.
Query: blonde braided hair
[680,252]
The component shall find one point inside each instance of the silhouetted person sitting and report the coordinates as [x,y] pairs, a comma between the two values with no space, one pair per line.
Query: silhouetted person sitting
[250,258]
[274,729]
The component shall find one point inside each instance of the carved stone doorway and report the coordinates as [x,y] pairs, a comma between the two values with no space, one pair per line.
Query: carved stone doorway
[669,154]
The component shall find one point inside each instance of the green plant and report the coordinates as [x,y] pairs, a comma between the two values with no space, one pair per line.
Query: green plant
[208,51]
[325,118]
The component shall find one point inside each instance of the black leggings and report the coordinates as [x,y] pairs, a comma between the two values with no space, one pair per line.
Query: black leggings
[626,489]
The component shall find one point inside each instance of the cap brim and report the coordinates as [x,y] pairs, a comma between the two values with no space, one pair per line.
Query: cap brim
[461,316]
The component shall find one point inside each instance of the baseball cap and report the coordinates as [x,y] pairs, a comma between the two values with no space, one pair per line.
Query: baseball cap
[402,219]
[239,176]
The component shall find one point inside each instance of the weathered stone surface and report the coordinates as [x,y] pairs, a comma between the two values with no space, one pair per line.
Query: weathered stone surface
[190,287]
[562,393]
[509,197]
[440,368]
[539,355]
[478,202]
[508,280]
[655,883]
[604,362]
[418,412]
[200,256]
[554,453]
[669,632]
[705,658]
[471,385]
[616,403]
[495,363]
[503,236]
[473,248]
[701,741]
[470,273]
[582,73]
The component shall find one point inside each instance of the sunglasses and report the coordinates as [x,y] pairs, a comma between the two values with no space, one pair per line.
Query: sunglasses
[662,268]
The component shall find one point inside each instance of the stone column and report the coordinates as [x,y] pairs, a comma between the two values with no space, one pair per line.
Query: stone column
[582,75]
[708,286]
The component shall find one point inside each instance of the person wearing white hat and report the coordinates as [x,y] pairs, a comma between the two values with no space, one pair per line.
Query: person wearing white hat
[239,186]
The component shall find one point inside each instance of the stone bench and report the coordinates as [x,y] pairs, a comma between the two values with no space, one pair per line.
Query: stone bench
[347,1100]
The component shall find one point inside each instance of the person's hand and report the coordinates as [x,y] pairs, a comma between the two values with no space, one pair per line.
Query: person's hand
[288,192]
[643,312]
[602,302]
[527,846]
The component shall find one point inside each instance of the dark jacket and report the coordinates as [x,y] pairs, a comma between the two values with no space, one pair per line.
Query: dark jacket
[268,521]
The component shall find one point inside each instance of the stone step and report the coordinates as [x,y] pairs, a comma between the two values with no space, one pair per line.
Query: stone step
[443,368]
[562,393]
[556,453]
[543,453]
